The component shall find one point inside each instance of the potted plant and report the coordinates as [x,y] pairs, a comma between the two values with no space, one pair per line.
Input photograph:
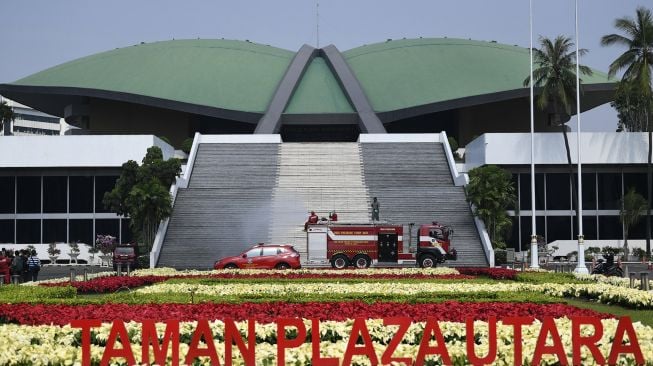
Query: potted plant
[92,251]
[106,244]
[74,252]
[53,252]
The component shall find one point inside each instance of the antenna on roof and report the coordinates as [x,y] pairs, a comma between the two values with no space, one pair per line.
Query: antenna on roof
[317,21]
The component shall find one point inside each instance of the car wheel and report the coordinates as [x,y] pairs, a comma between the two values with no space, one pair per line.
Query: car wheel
[230,266]
[427,261]
[282,266]
[362,261]
[340,261]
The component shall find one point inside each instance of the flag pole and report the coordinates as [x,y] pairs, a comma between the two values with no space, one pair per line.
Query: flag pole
[535,263]
[581,267]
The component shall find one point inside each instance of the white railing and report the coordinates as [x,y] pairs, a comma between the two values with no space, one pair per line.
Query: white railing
[180,182]
[459,179]
[462,179]
[485,239]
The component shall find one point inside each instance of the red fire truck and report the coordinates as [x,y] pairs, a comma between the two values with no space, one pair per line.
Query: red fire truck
[361,245]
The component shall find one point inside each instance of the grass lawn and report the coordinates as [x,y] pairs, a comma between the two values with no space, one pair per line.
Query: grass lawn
[644,316]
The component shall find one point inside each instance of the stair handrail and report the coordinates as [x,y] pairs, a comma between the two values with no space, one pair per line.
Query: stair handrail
[462,179]
[459,179]
[485,238]
[180,182]
[191,160]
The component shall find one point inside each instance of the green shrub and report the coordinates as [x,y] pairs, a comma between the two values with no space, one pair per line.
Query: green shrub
[500,257]
[639,253]
[186,145]
[165,139]
[17,294]
[144,261]
[453,144]
[543,277]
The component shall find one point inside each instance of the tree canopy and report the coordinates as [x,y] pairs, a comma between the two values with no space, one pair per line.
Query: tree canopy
[142,193]
[555,74]
[6,116]
[634,99]
[492,193]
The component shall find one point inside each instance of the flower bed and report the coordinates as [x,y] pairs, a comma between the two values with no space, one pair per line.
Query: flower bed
[332,296]
[494,273]
[102,285]
[268,312]
[58,345]
[106,284]
[327,272]
[601,292]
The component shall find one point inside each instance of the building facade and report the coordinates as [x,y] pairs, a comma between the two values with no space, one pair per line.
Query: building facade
[53,191]
[612,164]
[29,121]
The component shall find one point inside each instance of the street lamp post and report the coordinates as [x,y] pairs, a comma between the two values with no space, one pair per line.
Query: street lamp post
[581,267]
[535,263]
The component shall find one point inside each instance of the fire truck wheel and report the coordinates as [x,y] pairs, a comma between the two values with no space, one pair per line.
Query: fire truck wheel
[427,261]
[282,266]
[230,266]
[362,261]
[340,261]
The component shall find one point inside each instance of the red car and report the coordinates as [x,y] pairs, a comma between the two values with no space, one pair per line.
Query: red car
[277,256]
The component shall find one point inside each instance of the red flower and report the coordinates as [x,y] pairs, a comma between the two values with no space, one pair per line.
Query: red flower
[269,312]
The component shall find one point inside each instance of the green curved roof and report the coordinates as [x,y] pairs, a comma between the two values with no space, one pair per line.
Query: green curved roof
[318,92]
[224,74]
[241,76]
[406,73]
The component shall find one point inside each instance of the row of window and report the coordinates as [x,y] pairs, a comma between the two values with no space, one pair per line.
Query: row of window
[34,131]
[54,194]
[34,231]
[553,191]
[601,191]
[37,118]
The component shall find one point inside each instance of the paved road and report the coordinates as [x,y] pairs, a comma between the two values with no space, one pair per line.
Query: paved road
[48,272]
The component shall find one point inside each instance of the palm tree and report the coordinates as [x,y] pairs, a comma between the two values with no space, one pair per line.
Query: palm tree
[638,64]
[6,117]
[633,206]
[556,76]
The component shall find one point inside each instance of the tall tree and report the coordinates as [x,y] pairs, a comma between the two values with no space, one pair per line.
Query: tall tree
[637,63]
[7,116]
[142,193]
[492,193]
[555,75]
[633,207]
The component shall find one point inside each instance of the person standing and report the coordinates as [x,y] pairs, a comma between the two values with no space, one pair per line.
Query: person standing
[34,266]
[24,254]
[312,219]
[375,209]
[333,216]
[5,264]
[17,265]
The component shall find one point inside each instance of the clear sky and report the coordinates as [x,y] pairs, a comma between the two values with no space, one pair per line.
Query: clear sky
[37,34]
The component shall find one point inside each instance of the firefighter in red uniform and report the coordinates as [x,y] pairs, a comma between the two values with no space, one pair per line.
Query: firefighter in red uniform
[333,216]
[5,264]
[312,219]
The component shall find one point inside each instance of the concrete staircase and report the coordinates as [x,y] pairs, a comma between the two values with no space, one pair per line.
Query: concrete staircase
[226,207]
[413,183]
[245,193]
[316,176]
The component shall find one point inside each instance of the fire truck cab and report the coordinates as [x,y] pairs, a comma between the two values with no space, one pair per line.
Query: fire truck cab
[361,245]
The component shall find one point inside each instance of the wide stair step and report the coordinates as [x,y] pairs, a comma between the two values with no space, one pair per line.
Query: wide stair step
[320,177]
[413,183]
[226,207]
